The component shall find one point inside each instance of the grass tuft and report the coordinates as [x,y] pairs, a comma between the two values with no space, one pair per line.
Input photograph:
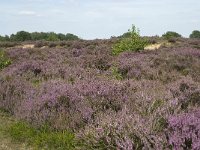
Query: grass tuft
[42,138]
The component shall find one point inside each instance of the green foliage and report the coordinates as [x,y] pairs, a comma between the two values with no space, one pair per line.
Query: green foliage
[116,74]
[170,34]
[155,105]
[137,141]
[36,82]
[160,124]
[4,38]
[125,35]
[195,34]
[192,100]
[61,36]
[39,36]
[42,138]
[22,132]
[131,43]
[22,36]
[70,36]
[50,36]
[1,38]
[4,60]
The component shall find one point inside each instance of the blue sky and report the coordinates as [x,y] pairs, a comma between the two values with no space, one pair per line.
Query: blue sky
[91,19]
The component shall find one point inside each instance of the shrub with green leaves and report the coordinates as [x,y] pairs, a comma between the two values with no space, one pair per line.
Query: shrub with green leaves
[170,34]
[116,74]
[4,60]
[134,42]
[195,34]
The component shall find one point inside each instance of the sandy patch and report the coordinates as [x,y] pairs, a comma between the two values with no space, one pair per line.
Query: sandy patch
[43,47]
[153,46]
[28,46]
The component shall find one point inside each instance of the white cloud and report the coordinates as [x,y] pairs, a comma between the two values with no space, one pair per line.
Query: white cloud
[94,14]
[28,13]
[194,21]
[58,11]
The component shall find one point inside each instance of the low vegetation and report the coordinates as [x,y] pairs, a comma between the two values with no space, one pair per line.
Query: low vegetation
[42,138]
[104,94]
[6,141]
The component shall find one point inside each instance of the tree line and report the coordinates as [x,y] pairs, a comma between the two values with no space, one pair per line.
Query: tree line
[51,36]
[168,34]
[34,36]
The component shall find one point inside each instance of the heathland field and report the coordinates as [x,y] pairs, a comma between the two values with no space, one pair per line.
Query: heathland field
[123,93]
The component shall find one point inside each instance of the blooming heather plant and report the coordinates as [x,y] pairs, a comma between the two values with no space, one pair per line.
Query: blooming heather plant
[145,100]
[13,92]
[82,100]
[184,131]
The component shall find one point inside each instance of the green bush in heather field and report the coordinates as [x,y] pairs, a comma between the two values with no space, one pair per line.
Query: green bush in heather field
[4,60]
[170,34]
[134,42]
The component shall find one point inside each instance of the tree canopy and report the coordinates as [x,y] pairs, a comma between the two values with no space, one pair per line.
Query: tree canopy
[195,34]
[171,34]
[34,36]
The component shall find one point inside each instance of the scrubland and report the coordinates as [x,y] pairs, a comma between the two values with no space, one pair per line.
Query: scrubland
[80,95]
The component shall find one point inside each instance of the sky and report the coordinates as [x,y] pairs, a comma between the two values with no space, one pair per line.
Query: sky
[91,19]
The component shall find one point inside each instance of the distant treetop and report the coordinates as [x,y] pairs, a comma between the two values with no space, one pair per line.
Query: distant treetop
[195,34]
[171,34]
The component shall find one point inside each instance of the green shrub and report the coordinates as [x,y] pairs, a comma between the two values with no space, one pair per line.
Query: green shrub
[195,34]
[116,74]
[4,60]
[70,36]
[160,124]
[170,35]
[131,43]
